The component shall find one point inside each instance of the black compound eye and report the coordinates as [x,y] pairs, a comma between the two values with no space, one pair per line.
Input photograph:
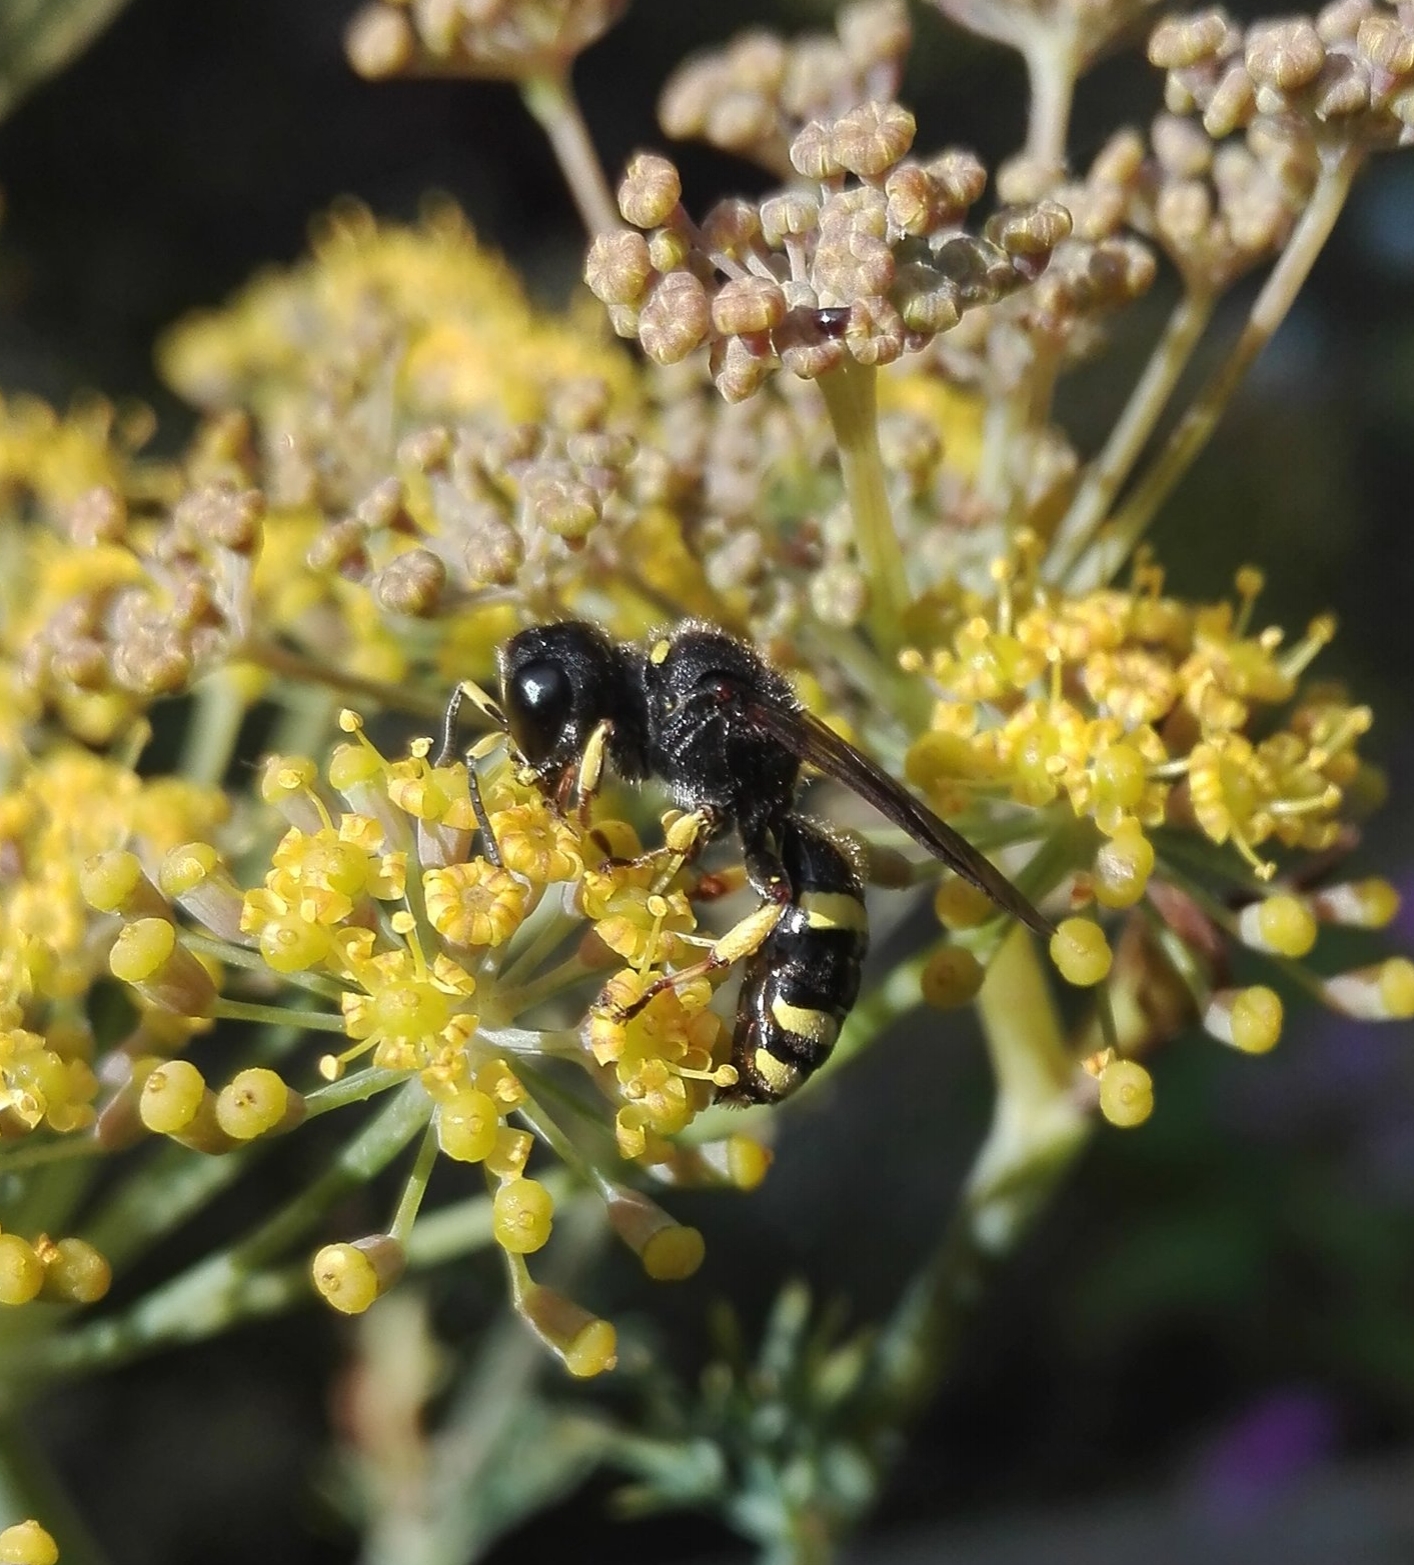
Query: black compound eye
[539,705]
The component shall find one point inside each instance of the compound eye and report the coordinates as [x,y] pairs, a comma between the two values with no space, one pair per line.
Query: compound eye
[539,705]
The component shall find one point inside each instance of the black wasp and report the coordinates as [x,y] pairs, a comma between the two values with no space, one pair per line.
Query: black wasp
[700,711]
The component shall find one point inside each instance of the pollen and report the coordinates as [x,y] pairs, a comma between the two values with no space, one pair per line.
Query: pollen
[1080,951]
[475,904]
[27,1543]
[521,1215]
[1126,1093]
[535,843]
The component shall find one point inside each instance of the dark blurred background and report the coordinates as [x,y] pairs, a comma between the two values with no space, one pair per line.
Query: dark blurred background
[1209,1347]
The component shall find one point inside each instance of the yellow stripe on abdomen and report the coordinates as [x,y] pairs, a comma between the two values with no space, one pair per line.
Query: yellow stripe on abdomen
[833,910]
[816,1027]
[779,1075]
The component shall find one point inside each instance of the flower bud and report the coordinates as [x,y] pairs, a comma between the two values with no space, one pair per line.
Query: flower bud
[148,956]
[350,1277]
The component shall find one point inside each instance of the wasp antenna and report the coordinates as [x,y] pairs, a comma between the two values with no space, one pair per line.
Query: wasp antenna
[467,690]
[483,701]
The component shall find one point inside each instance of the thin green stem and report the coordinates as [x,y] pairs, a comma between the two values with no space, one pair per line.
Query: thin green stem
[851,399]
[551,99]
[416,1187]
[219,708]
[303,669]
[205,1298]
[1052,67]
[515,1002]
[1195,429]
[1038,1129]
[26,1156]
[276,1015]
[1106,474]
[231,955]
[357,1087]
[29,1488]
[550,929]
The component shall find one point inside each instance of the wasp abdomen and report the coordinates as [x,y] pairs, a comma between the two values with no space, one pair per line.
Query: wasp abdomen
[801,984]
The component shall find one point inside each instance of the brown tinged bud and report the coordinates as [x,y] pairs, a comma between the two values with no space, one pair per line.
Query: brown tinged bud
[617,268]
[412,584]
[669,249]
[649,191]
[789,215]
[739,121]
[1029,232]
[913,200]
[562,505]
[379,42]
[1232,104]
[1286,54]
[1387,43]
[493,553]
[807,346]
[812,153]
[874,333]
[100,515]
[1182,41]
[874,31]
[676,319]
[687,98]
[340,546]
[731,228]
[747,305]
[217,514]
[740,366]
[871,138]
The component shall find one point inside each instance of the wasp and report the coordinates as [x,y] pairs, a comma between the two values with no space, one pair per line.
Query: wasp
[705,715]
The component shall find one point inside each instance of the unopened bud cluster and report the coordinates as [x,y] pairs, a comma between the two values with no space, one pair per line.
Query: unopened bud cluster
[1346,77]
[754,96]
[864,259]
[514,40]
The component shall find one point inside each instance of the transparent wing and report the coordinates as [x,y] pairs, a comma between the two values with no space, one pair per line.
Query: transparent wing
[807,737]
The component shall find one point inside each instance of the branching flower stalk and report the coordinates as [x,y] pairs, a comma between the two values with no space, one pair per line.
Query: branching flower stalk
[1200,419]
[849,395]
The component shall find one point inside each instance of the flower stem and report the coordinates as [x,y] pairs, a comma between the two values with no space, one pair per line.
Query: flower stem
[415,1188]
[276,1015]
[207,1297]
[219,708]
[1038,1129]
[30,1488]
[850,397]
[1108,471]
[1051,67]
[1193,431]
[307,670]
[551,99]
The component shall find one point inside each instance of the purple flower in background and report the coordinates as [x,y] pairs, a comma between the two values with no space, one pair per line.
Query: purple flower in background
[1258,1457]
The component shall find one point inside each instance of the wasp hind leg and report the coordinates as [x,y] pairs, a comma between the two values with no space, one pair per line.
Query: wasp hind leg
[743,939]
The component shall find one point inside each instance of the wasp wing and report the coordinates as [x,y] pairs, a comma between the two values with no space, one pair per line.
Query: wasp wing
[804,735]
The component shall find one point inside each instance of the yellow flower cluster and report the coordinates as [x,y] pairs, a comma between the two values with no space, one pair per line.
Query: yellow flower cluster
[460,978]
[61,813]
[1162,732]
